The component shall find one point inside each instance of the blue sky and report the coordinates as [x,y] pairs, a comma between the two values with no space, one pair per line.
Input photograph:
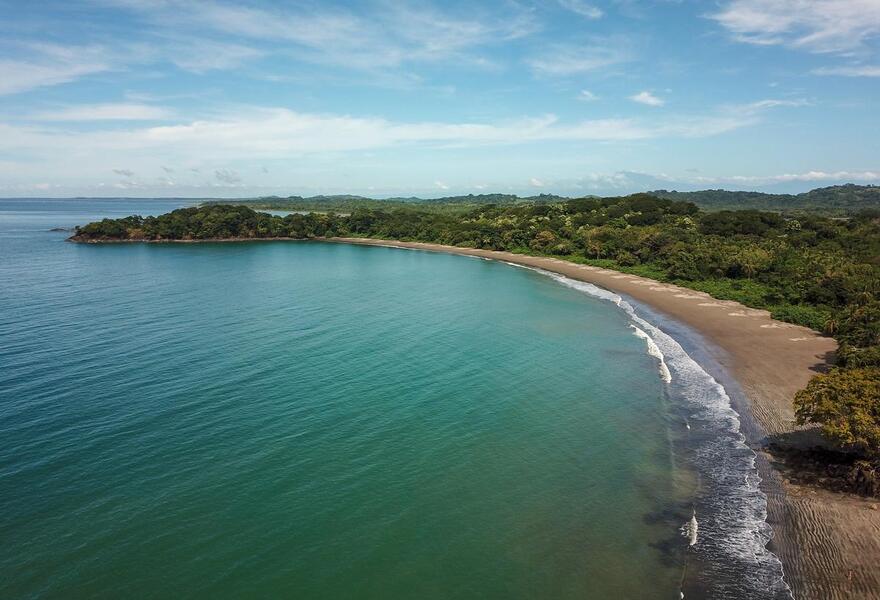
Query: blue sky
[215,98]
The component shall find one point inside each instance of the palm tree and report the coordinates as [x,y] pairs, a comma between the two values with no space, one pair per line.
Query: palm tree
[831,326]
[864,297]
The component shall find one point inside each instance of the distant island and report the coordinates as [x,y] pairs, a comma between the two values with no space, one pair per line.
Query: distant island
[838,200]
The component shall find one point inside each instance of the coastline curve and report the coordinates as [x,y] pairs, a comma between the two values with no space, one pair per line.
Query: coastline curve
[827,543]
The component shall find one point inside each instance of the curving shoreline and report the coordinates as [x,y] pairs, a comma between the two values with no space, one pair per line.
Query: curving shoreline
[829,543]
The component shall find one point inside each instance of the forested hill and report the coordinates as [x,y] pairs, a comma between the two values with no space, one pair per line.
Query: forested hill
[839,200]
[348,203]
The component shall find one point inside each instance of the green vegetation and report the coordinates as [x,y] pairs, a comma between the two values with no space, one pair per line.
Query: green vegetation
[210,222]
[840,200]
[815,271]
[845,402]
[348,203]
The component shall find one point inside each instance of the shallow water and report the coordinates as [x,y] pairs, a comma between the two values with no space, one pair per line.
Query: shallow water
[318,420]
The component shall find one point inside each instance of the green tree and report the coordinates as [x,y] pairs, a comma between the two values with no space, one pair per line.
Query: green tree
[543,240]
[846,403]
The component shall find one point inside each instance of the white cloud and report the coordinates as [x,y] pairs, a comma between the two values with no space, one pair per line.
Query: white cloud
[569,59]
[441,185]
[587,96]
[634,181]
[760,105]
[535,182]
[227,176]
[807,176]
[50,64]
[105,112]
[813,25]
[251,136]
[40,65]
[200,56]
[647,98]
[390,37]
[850,71]
[582,8]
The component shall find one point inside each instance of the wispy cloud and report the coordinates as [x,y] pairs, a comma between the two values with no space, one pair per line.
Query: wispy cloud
[806,176]
[396,34]
[634,181]
[38,65]
[105,112]
[838,26]
[253,135]
[850,71]
[647,98]
[582,8]
[576,59]
[587,96]
[761,105]
[50,64]
[200,56]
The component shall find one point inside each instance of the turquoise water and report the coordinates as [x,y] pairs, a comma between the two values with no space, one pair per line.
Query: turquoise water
[314,420]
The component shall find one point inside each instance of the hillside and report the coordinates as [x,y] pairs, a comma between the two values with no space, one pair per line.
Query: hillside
[836,200]
[347,203]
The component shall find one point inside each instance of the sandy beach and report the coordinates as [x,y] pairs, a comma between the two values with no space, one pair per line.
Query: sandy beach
[829,543]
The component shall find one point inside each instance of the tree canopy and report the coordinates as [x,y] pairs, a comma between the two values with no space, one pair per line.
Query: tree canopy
[847,404]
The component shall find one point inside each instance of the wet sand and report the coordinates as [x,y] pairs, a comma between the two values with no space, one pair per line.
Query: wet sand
[829,543]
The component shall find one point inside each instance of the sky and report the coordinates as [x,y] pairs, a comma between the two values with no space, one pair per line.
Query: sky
[211,98]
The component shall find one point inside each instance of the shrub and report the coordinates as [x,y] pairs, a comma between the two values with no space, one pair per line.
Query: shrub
[846,403]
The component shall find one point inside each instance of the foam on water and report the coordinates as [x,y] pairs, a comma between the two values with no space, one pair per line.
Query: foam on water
[654,351]
[732,556]
[691,528]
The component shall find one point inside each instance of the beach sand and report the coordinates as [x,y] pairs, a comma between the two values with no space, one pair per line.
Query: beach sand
[829,543]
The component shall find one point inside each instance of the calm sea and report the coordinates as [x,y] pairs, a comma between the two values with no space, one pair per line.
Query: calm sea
[312,420]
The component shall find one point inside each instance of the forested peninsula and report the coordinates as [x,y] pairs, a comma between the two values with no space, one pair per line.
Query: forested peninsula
[816,271]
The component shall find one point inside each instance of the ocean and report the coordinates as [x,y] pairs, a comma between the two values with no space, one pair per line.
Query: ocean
[317,420]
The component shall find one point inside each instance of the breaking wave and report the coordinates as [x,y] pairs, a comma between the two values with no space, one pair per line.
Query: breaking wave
[730,559]
[655,351]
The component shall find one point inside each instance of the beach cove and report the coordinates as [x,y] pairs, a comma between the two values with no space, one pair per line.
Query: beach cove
[829,543]
[718,531]
[313,419]
[826,541]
